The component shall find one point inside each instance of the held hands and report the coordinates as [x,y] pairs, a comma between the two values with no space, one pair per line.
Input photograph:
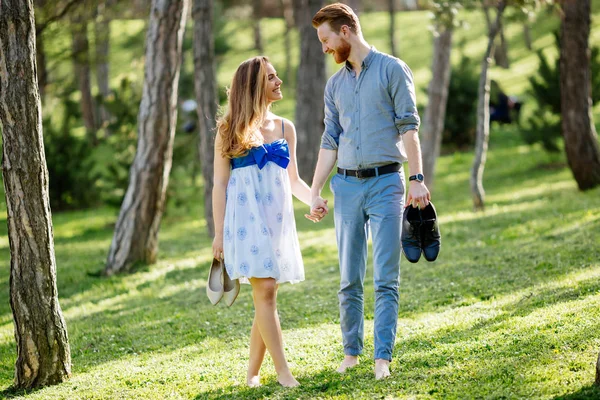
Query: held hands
[418,195]
[318,209]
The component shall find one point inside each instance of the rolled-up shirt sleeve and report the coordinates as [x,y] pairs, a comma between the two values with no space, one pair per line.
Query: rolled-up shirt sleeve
[402,91]
[331,135]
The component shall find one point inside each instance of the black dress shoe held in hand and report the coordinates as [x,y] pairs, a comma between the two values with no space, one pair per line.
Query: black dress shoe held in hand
[430,233]
[411,234]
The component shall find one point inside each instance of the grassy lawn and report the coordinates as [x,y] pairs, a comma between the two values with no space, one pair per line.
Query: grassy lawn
[509,310]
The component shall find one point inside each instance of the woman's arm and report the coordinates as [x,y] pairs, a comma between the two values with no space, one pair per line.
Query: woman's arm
[221,179]
[299,188]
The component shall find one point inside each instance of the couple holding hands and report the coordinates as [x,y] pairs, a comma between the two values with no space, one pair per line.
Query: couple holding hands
[371,124]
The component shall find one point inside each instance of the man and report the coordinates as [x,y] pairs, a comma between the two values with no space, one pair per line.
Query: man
[371,124]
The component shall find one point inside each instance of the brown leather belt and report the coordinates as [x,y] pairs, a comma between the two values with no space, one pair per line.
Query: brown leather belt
[371,172]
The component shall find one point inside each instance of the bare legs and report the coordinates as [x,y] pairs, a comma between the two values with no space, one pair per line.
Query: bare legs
[257,355]
[266,334]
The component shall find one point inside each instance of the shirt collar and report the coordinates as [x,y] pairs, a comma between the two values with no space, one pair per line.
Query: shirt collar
[366,62]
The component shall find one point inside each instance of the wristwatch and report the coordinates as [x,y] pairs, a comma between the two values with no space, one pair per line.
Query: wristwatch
[417,177]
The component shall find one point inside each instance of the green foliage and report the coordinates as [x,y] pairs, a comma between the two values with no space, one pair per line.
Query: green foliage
[222,46]
[185,172]
[545,84]
[82,175]
[461,110]
[445,14]
[544,124]
[67,159]
[112,157]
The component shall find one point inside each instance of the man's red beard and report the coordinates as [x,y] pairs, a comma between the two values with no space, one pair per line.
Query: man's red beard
[342,53]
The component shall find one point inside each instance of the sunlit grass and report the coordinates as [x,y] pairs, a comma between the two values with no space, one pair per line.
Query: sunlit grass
[506,311]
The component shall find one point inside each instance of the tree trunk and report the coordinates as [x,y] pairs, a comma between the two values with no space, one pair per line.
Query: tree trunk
[206,97]
[483,117]
[257,15]
[136,232]
[581,140]
[501,52]
[488,19]
[309,89]
[527,35]
[597,382]
[288,15]
[102,29]
[42,70]
[435,113]
[43,354]
[40,53]
[392,12]
[81,65]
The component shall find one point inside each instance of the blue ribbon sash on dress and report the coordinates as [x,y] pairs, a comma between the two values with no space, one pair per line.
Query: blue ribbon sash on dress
[277,152]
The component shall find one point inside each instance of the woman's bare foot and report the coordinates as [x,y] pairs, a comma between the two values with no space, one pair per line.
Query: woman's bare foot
[287,380]
[349,362]
[253,381]
[382,368]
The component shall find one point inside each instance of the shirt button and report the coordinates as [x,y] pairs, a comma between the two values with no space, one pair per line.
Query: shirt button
[357,147]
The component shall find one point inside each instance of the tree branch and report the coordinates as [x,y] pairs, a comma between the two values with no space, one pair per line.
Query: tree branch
[39,29]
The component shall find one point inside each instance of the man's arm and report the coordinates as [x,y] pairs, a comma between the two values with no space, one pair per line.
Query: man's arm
[418,194]
[327,156]
[402,91]
[325,163]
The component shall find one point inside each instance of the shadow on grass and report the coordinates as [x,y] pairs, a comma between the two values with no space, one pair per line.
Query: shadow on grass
[500,353]
[12,392]
[323,383]
[482,258]
[585,393]
[161,321]
[168,307]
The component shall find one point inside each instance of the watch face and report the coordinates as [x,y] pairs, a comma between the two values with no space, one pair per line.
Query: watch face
[420,177]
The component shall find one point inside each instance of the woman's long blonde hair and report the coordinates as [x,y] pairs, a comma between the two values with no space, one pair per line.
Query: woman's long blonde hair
[247,107]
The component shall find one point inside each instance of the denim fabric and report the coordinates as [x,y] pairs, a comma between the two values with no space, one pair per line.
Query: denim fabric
[366,117]
[359,203]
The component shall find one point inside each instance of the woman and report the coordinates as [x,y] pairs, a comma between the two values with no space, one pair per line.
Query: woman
[254,179]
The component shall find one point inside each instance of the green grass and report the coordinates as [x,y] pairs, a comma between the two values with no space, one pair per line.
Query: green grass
[509,310]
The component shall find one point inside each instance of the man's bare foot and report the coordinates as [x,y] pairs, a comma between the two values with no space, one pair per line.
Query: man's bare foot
[253,381]
[287,380]
[382,368]
[349,362]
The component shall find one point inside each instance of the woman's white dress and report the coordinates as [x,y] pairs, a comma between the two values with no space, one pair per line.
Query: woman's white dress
[259,233]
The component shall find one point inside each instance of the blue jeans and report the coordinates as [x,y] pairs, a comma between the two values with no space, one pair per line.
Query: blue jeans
[358,203]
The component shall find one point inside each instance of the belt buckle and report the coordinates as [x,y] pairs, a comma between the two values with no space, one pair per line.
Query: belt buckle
[359,174]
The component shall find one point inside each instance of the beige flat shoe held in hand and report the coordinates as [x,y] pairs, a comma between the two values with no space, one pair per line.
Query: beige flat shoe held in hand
[214,285]
[231,288]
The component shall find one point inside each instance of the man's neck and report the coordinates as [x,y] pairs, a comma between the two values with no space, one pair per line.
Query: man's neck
[360,51]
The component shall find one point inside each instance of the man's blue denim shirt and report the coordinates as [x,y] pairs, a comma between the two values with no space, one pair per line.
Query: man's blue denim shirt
[365,118]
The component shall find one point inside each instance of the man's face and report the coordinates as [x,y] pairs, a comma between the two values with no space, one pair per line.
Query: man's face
[333,43]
